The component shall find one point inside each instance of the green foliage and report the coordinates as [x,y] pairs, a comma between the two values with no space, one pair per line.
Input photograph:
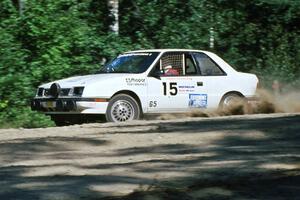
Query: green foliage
[24,117]
[56,39]
[165,24]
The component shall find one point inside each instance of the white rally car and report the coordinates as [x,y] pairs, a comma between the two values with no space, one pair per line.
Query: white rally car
[143,82]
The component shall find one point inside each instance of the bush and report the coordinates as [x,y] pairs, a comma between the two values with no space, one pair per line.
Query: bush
[24,117]
[56,39]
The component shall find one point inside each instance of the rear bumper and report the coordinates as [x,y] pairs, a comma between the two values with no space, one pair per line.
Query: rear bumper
[70,105]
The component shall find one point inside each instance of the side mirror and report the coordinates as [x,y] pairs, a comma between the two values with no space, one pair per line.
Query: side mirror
[157,73]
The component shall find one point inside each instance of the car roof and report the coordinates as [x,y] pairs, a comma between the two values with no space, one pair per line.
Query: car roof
[165,50]
[225,66]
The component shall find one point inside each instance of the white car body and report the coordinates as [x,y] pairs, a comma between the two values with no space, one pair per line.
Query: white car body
[155,94]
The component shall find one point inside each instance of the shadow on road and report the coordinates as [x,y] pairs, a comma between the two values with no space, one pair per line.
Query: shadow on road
[229,159]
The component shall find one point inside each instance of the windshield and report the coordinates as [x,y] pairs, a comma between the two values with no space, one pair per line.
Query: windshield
[130,63]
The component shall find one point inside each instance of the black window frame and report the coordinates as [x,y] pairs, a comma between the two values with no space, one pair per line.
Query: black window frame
[190,53]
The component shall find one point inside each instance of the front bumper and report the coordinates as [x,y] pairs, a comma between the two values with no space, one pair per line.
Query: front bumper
[70,105]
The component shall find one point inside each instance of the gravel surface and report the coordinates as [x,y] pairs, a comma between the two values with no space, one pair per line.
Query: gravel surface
[236,157]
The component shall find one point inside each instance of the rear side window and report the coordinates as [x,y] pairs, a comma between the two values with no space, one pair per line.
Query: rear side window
[207,66]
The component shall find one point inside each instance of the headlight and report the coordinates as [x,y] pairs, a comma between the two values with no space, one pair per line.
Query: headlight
[40,92]
[77,91]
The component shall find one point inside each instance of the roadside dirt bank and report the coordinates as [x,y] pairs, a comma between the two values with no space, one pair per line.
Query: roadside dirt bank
[232,157]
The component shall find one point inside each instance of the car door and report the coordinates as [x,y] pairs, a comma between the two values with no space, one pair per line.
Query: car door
[161,87]
[161,92]
[169,91]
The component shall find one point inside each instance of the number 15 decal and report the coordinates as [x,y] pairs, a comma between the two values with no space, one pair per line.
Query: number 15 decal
[172,88]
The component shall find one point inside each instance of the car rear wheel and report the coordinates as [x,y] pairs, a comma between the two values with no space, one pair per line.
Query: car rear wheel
[123,108]
[230,100]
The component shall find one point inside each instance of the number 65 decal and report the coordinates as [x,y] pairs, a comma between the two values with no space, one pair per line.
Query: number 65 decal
[172,88]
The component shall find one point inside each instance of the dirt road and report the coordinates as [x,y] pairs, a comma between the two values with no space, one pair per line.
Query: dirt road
[241,157]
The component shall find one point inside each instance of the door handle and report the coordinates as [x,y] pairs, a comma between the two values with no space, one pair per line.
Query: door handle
[200,83]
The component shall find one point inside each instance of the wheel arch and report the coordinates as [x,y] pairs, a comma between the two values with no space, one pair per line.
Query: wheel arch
[230,92]
[132,94]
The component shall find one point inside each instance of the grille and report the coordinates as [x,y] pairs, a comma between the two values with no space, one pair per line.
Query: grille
[63,92]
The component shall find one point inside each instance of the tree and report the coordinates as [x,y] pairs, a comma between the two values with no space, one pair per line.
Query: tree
[113,6]
[48,40]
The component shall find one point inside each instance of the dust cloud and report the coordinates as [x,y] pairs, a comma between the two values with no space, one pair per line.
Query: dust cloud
[267,102]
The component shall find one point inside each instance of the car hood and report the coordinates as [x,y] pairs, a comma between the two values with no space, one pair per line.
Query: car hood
[83,80]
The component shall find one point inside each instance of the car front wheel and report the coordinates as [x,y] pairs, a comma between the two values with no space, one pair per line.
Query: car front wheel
[60,120]
[122,108]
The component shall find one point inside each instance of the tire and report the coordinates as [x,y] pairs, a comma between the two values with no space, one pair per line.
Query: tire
[59,121]
[66,120]
[230,100]
[122,108]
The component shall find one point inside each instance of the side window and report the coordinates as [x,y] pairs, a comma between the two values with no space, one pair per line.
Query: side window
[207,66]
[177,64]
[171,63]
